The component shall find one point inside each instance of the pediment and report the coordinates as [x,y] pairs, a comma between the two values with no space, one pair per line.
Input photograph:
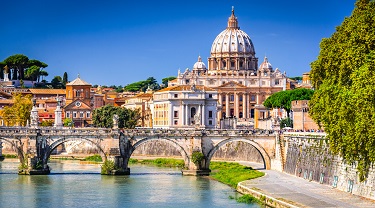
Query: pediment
[77,105]
[232,84]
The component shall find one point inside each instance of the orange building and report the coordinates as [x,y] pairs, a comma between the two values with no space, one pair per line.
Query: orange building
[78,102]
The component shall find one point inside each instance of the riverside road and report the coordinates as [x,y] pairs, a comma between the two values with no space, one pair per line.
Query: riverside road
[303,193]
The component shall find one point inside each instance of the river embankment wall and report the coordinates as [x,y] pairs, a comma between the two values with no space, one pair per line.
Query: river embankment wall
[311,159]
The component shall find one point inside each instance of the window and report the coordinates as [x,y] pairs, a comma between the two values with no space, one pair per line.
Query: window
[88,114]
[223,98]
[209,95]
[241,64]
[240,97]
[68,114]
[187,81]
[210,122]
[277,82]
[175,122]
[81,114]
[175,95]
[240,82]
[209,114]
[232,64]
[74,115]
[252,97]
[232,97]
[175,114]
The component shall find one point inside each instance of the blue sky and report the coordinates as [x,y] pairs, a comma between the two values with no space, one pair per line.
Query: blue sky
[120,42]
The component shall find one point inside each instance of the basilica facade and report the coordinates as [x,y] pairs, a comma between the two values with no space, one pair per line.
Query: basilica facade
[233,72]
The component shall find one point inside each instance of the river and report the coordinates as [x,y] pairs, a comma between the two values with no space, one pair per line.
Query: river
[75,184]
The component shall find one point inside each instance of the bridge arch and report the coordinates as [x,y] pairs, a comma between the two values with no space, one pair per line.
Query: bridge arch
[60,141]
[265,157]
[19,150]
[182,151]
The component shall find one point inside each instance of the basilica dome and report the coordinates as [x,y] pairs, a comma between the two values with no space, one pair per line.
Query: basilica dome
[199,65]
[232,39]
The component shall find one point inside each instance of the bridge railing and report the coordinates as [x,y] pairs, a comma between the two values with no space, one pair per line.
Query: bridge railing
[54,131]
[197,132]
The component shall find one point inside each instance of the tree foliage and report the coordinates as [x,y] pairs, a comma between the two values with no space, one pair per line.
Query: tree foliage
[103,117]
[165,80]
[143,85]
[19,112]
[283,99]
[24,68]
[343,74]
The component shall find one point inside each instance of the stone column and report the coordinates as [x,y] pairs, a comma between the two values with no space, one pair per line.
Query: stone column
[58,114]
[236,105]
[258,98]
[203,115]
[248,105]
[244,105]
[187,115]
[200,114]
[183,115]
[227,112]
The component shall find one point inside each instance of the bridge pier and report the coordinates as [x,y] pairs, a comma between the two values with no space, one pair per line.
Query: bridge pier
[1,151]
[120,166]
[34,166]
[197,162]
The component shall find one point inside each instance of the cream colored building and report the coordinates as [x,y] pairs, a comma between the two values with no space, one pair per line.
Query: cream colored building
[185,106]
[234,73]
[142,102]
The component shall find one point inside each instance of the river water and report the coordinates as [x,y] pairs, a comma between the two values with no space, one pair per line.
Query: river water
[74,184]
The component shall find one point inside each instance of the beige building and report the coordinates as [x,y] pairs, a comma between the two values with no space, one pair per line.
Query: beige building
[142,102]
[185,106]
[234,73]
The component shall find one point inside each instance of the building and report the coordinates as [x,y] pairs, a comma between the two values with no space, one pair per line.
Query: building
[185,106]
[142,102]
[78,102]
[301,118]
[234,74]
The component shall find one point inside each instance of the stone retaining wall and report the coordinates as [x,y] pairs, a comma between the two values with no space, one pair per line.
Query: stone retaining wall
[311,159]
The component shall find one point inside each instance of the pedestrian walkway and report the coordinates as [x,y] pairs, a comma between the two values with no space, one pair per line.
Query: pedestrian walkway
[303,193]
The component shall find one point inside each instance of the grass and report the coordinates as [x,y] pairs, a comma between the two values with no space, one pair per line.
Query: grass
[232,173]
[160,162]
[93,158]
[10,156]
[248,199]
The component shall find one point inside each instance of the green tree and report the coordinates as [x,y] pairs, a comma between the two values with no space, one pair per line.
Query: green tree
[103,117]
[19,112]
[68,122]
[17,64]
[343,76]
[36,64]
[65,78]
[142,85]
[165,80]
[43,74]
[56,82]
[2,65]
[283,99]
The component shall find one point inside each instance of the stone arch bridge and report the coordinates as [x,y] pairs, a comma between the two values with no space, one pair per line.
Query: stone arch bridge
[35,145]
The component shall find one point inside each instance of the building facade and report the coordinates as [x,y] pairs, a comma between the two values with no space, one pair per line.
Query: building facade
[185,106]
[234,73]
[78,102]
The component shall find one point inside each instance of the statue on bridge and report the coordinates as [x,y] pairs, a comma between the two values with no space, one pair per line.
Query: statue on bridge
[115,121]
